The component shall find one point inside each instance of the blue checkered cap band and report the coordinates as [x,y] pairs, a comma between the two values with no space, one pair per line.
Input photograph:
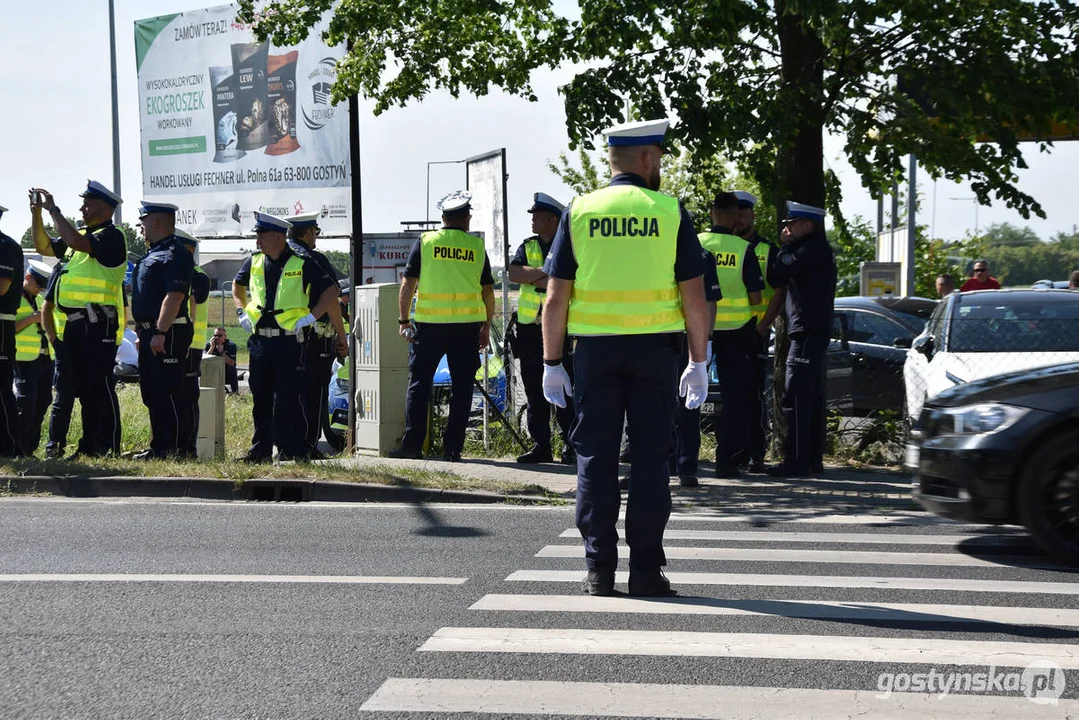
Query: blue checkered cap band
[796,210]
[304,220]
[641,132]
[266,221]
[456,201]
[745,199]
[185,237]
[146,207]
[543,201]
[97,190]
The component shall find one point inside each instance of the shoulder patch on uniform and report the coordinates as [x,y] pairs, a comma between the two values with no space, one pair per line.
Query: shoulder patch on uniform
[787,259]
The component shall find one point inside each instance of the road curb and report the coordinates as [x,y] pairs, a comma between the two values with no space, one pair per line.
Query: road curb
[257,489]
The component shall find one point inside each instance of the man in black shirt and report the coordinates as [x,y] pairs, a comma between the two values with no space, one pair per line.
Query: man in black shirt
[11,271]
[160,288]
[221,346]
[279,293]
[805,263]
[86,293]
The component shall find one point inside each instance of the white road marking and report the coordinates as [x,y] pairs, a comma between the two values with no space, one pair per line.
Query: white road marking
[700,702]
[828,537]
[821,581]
[811,609]
[285,579]
[888,650]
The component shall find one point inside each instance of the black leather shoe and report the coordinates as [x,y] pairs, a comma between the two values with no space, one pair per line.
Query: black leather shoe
[54,453]
[252,459]
[726,470]
[623,482]
[756,466]
[649,583]
[536,455]
[599,582]
[688,481]
[569,457]
[817,469]
[787,471]
[451,456]
[145,455]
[405,453]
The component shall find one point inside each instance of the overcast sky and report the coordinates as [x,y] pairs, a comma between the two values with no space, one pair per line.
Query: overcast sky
[54,71]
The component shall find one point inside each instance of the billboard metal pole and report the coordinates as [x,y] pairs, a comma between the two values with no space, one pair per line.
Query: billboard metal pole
[912,230]
[117,216]
[355,259]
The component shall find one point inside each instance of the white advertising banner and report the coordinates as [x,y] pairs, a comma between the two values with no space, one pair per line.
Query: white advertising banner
[230,125]
[485,175]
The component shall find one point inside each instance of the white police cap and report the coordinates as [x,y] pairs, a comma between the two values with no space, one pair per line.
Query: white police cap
[146,207]
[641,132]
[745,199]
[304,220]
[185,237]
[270,223]
[543,201]
[2,209]
[97,190]
[40,270]
[796,211]
[456,201]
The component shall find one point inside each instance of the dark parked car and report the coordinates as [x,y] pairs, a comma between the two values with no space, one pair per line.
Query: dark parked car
[1005,450]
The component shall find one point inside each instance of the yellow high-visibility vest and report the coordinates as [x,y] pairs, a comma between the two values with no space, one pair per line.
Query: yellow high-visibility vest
[202,314]
[624,238]
[531,299]
[30,342]
[729,252]
[290,301]
[449,290]
[761,250]
[84,281]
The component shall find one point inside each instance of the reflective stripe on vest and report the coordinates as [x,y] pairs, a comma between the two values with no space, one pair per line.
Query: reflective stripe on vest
[83,280]
[202,314]
[729,252]
[290,301]
[625,237]
[449,291]
[761,250]
[30,342]
[530,300]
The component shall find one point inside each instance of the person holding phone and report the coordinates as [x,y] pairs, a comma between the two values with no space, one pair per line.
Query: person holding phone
[221,346]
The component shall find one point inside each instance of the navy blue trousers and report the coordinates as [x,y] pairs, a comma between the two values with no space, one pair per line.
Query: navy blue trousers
[631,377]
[189,433]
[10,432]
[460,343]
[276,378]
[63,401]
[757,414]
[733,349]
[530,354]
[33,395]
[88,364]
[803,400]
[319,361]
[161,382]
[687,433]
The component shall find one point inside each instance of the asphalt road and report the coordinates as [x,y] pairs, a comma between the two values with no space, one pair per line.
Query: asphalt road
[230,610]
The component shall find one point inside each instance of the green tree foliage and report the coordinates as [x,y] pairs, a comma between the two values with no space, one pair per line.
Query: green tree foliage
[935,257]
[756,82]
[1008,235]
[854,243]
[339,260]
[1019,266]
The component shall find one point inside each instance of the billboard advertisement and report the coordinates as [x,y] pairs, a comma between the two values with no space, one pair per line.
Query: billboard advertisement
[485,176]
[230,125]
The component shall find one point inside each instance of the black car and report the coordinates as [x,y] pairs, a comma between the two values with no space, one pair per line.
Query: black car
[1005,450]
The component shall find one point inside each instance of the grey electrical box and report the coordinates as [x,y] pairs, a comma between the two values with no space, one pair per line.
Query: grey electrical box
[381,370]
[881,278]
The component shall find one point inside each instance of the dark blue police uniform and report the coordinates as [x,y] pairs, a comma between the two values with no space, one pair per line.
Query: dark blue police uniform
[63,383]
[807,268]
[11,267]
[277,371]
[757,415]
[189,433]
[629,377]
[167,267]
[459,343]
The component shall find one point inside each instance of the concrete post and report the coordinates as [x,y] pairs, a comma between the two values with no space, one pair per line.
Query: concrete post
[212,384]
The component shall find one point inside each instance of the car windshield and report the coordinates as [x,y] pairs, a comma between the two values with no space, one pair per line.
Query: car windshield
[1015,324]
[915,323]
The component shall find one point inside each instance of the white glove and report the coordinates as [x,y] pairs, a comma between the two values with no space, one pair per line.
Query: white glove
[693,385]
[245,322]
[556,385]
[303,322]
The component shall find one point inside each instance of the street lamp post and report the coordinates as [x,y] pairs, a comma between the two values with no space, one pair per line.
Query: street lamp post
[427,210]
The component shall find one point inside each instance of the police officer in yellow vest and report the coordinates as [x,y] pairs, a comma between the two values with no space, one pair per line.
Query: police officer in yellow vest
[625,276]
[526,268]
[772,298]
[449,273]
[741,283]
[11,275]
[197,310]
[323,345]
[33,362]
[87,295]
[279,292]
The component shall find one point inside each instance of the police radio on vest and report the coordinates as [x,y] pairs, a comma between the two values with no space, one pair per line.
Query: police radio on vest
[452,253]
[623,227]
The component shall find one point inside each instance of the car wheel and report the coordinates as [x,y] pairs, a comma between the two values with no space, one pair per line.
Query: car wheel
[1049,497]
[335,438]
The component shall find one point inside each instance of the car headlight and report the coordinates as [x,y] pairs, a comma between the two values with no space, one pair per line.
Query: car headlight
[982,419]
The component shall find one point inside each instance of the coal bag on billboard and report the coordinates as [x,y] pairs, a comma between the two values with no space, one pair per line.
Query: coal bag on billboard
[226,125]
[249,66]
[281,99]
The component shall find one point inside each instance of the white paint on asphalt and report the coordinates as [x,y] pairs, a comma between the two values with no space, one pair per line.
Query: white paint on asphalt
[852,557]
[821,581]
[702,702]
[809,609]
[829,537]
[811,516]
[888,650]
[194,578]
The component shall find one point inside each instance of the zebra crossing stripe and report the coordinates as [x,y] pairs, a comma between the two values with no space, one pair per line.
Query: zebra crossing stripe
[852,557]
[283,579]
[1019,541]
[821,581]
[931,651]
[809,609]
[787,516]
[701,702]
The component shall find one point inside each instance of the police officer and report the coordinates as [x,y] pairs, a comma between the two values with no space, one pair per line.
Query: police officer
[526,268]
[805,263]
[198,311]
[279,292]
[625,278]
[87,296]
[322,344]
[160,289]
[11,275]
[449,273]
[33,362]
[764,313]
[741,283]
